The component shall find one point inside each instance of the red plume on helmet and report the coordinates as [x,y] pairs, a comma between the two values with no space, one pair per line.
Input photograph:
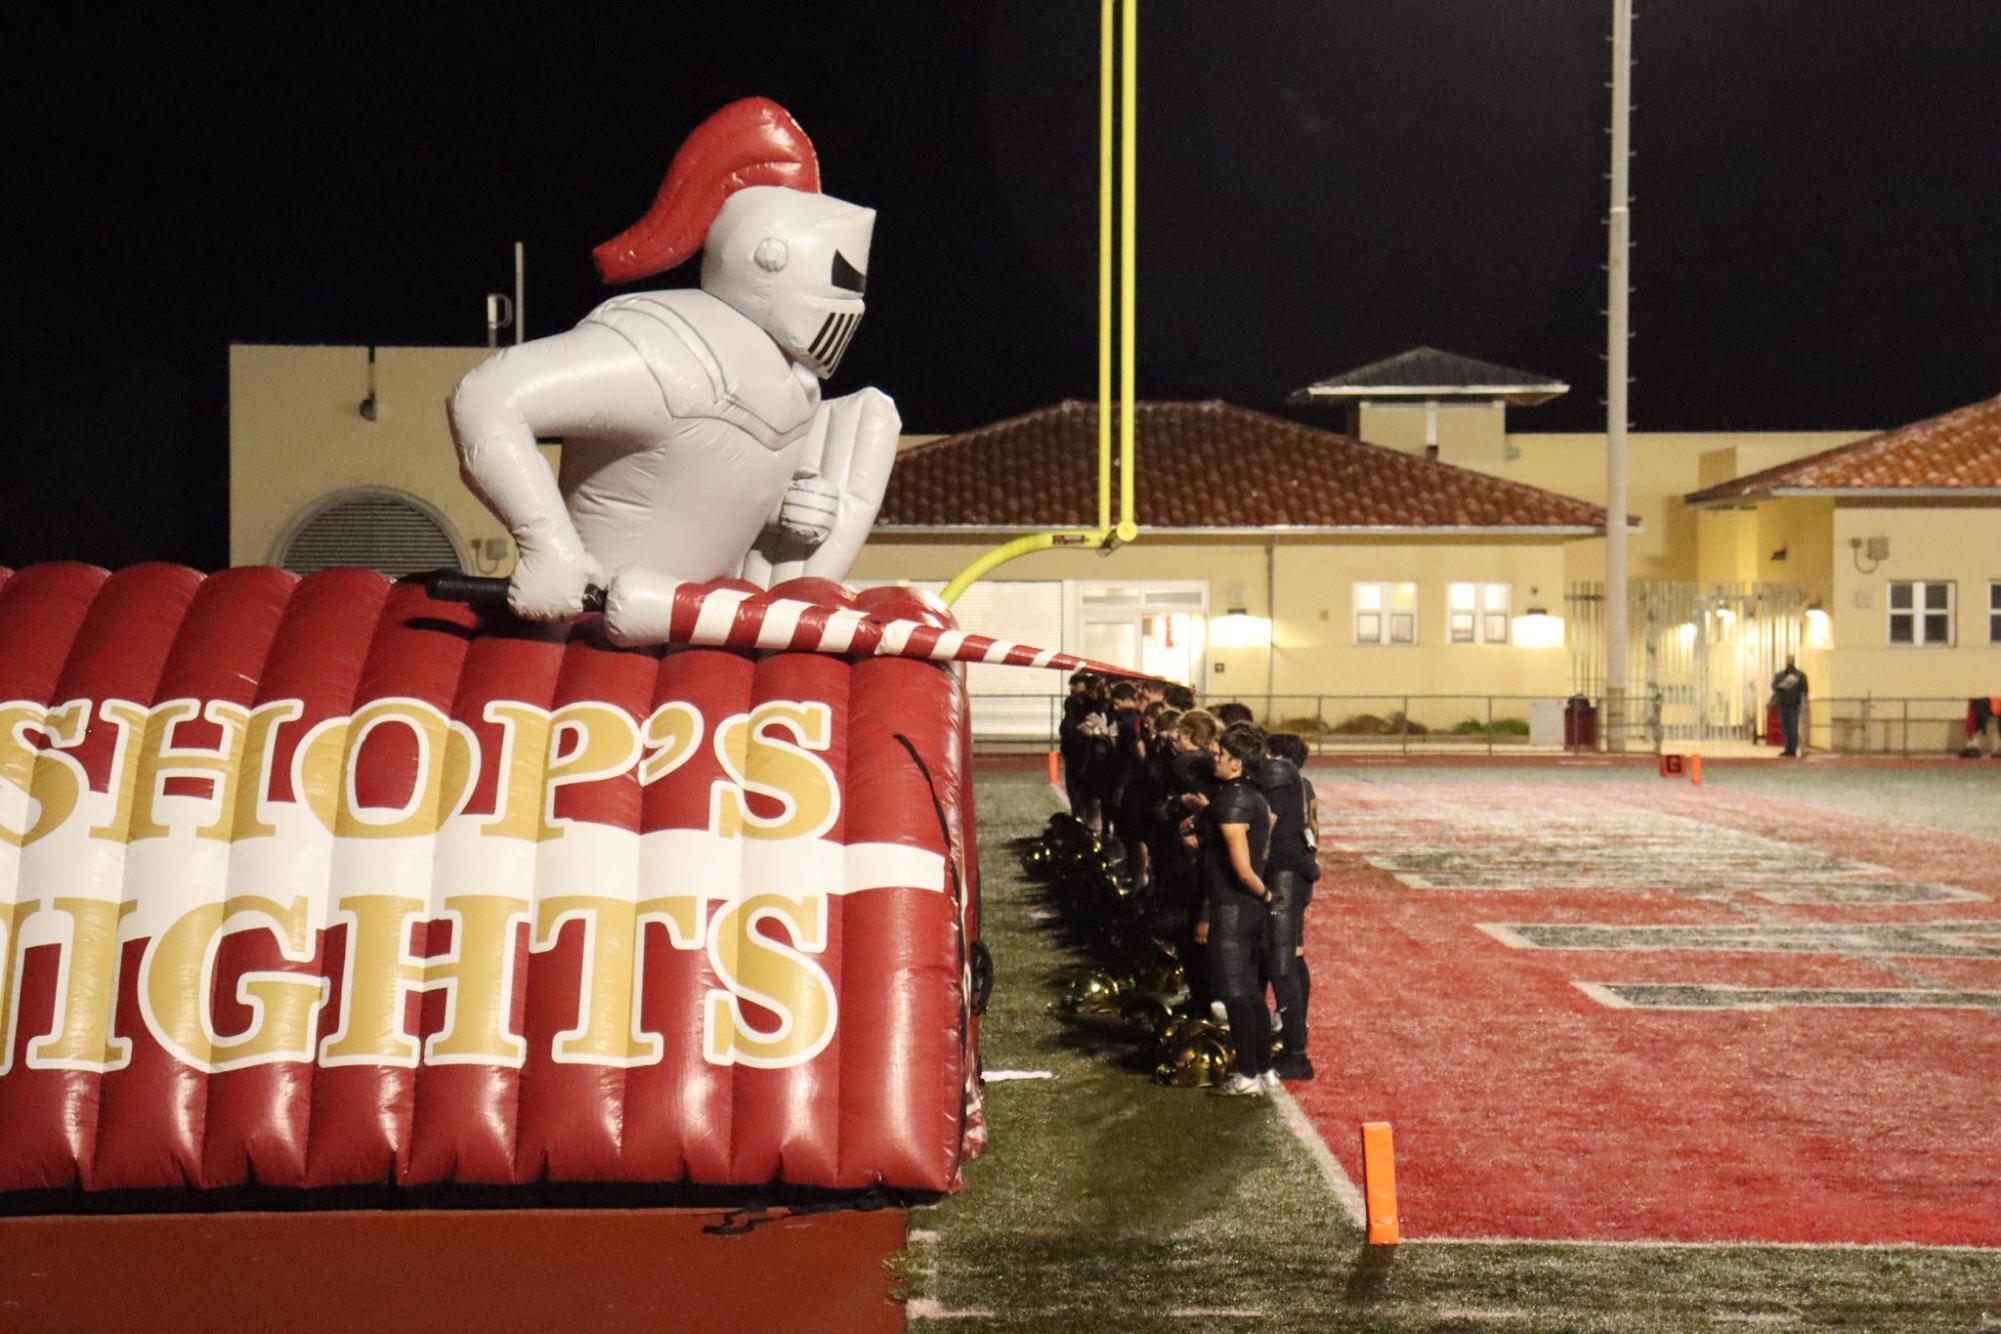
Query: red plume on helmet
[749,142]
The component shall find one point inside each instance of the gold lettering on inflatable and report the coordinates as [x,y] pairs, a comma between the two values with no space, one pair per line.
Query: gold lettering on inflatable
[11,917]
[317,770]
[758,760]
[176,976]
[54,782]
[524,755]
[17,764]
[82,1039]
[129,720]
[606,745]
[682,914]
[260,739]
[607,1030]
[331,755]
[672,734]
[757,968]
[478,975]
[160,760]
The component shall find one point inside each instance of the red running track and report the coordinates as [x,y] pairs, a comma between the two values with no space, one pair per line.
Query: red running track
[1847,1107]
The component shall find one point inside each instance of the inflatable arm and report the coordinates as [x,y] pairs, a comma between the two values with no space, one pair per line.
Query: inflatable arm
[586,381]
[827,513]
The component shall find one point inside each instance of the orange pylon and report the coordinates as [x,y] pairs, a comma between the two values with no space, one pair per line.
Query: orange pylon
[1695,770]
[1055,771]
[1379,1183]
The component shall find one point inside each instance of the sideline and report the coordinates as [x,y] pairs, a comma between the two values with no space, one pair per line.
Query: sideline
[1331,1171]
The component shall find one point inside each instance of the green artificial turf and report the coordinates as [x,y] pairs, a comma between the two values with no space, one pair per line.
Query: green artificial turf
[1109,1203]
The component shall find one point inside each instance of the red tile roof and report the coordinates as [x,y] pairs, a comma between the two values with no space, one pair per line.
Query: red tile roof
[1960,451]
[1204,465]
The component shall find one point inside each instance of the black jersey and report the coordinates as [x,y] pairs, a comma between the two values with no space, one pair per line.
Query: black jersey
[1234,802]
[1292,839]
[1192,771]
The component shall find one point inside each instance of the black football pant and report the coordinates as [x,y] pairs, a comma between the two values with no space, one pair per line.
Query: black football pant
[1236,956]
[1285,928]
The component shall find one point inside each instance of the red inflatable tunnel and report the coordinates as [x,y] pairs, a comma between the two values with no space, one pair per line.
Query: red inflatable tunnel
[318,882]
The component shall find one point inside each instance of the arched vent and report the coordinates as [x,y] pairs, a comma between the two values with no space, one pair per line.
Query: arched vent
[377,530]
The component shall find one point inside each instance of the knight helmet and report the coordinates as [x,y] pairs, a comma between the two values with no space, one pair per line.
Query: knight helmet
[745,190]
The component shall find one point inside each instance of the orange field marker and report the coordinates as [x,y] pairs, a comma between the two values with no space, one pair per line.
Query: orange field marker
[1379,1183]
[1055,772]
[1695,770]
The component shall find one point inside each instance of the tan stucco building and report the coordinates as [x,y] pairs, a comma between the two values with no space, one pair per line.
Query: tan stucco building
[1437,567]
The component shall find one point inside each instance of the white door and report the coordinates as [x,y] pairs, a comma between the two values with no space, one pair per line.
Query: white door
[1155,628]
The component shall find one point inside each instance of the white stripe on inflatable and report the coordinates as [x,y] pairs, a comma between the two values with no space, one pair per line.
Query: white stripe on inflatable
[789,866]
[781,623]
[896,638]
[718,614]
[841,628]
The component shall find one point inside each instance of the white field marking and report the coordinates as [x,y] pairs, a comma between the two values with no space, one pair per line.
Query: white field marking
[921,1237]
[1330,1167]
[1946,1248]
[923,1308]
[1603,994]
[1013,1076]
[1765,999]
[1507,935]
[1480,1313]
[1753,1318]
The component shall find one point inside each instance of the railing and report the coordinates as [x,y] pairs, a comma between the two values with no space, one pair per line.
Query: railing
[1874,725]
[1421,724]
[1400,724]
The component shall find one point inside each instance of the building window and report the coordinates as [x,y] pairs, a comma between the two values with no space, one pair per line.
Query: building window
[1994,612]
[1921,613]
[1385,613]
[1477,613]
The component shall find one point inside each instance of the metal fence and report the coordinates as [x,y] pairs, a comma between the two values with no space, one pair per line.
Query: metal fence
[1420,724]
[1873,725]
[1398,724]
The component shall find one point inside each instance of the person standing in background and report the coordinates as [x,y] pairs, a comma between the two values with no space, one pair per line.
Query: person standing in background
[1789,691]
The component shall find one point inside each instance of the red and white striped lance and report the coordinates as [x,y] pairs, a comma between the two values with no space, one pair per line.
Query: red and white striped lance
[720,616]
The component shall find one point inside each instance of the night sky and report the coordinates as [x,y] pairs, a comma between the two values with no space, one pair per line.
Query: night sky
[1322,184]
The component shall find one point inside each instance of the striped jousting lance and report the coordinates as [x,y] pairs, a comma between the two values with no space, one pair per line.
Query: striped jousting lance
[719,616]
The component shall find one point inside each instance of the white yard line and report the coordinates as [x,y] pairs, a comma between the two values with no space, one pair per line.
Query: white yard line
[923,1308]
[1335,1175]
[1707,1245]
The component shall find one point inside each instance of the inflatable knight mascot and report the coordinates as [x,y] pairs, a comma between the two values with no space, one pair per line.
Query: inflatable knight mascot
[696,443]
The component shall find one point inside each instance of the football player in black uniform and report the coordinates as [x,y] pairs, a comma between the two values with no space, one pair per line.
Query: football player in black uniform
[1234,830]
[1290,872]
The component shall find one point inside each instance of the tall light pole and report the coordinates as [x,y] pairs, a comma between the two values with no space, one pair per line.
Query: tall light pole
[1619,229]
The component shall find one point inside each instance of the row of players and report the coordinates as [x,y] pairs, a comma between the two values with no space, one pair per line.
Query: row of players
[1219,826]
